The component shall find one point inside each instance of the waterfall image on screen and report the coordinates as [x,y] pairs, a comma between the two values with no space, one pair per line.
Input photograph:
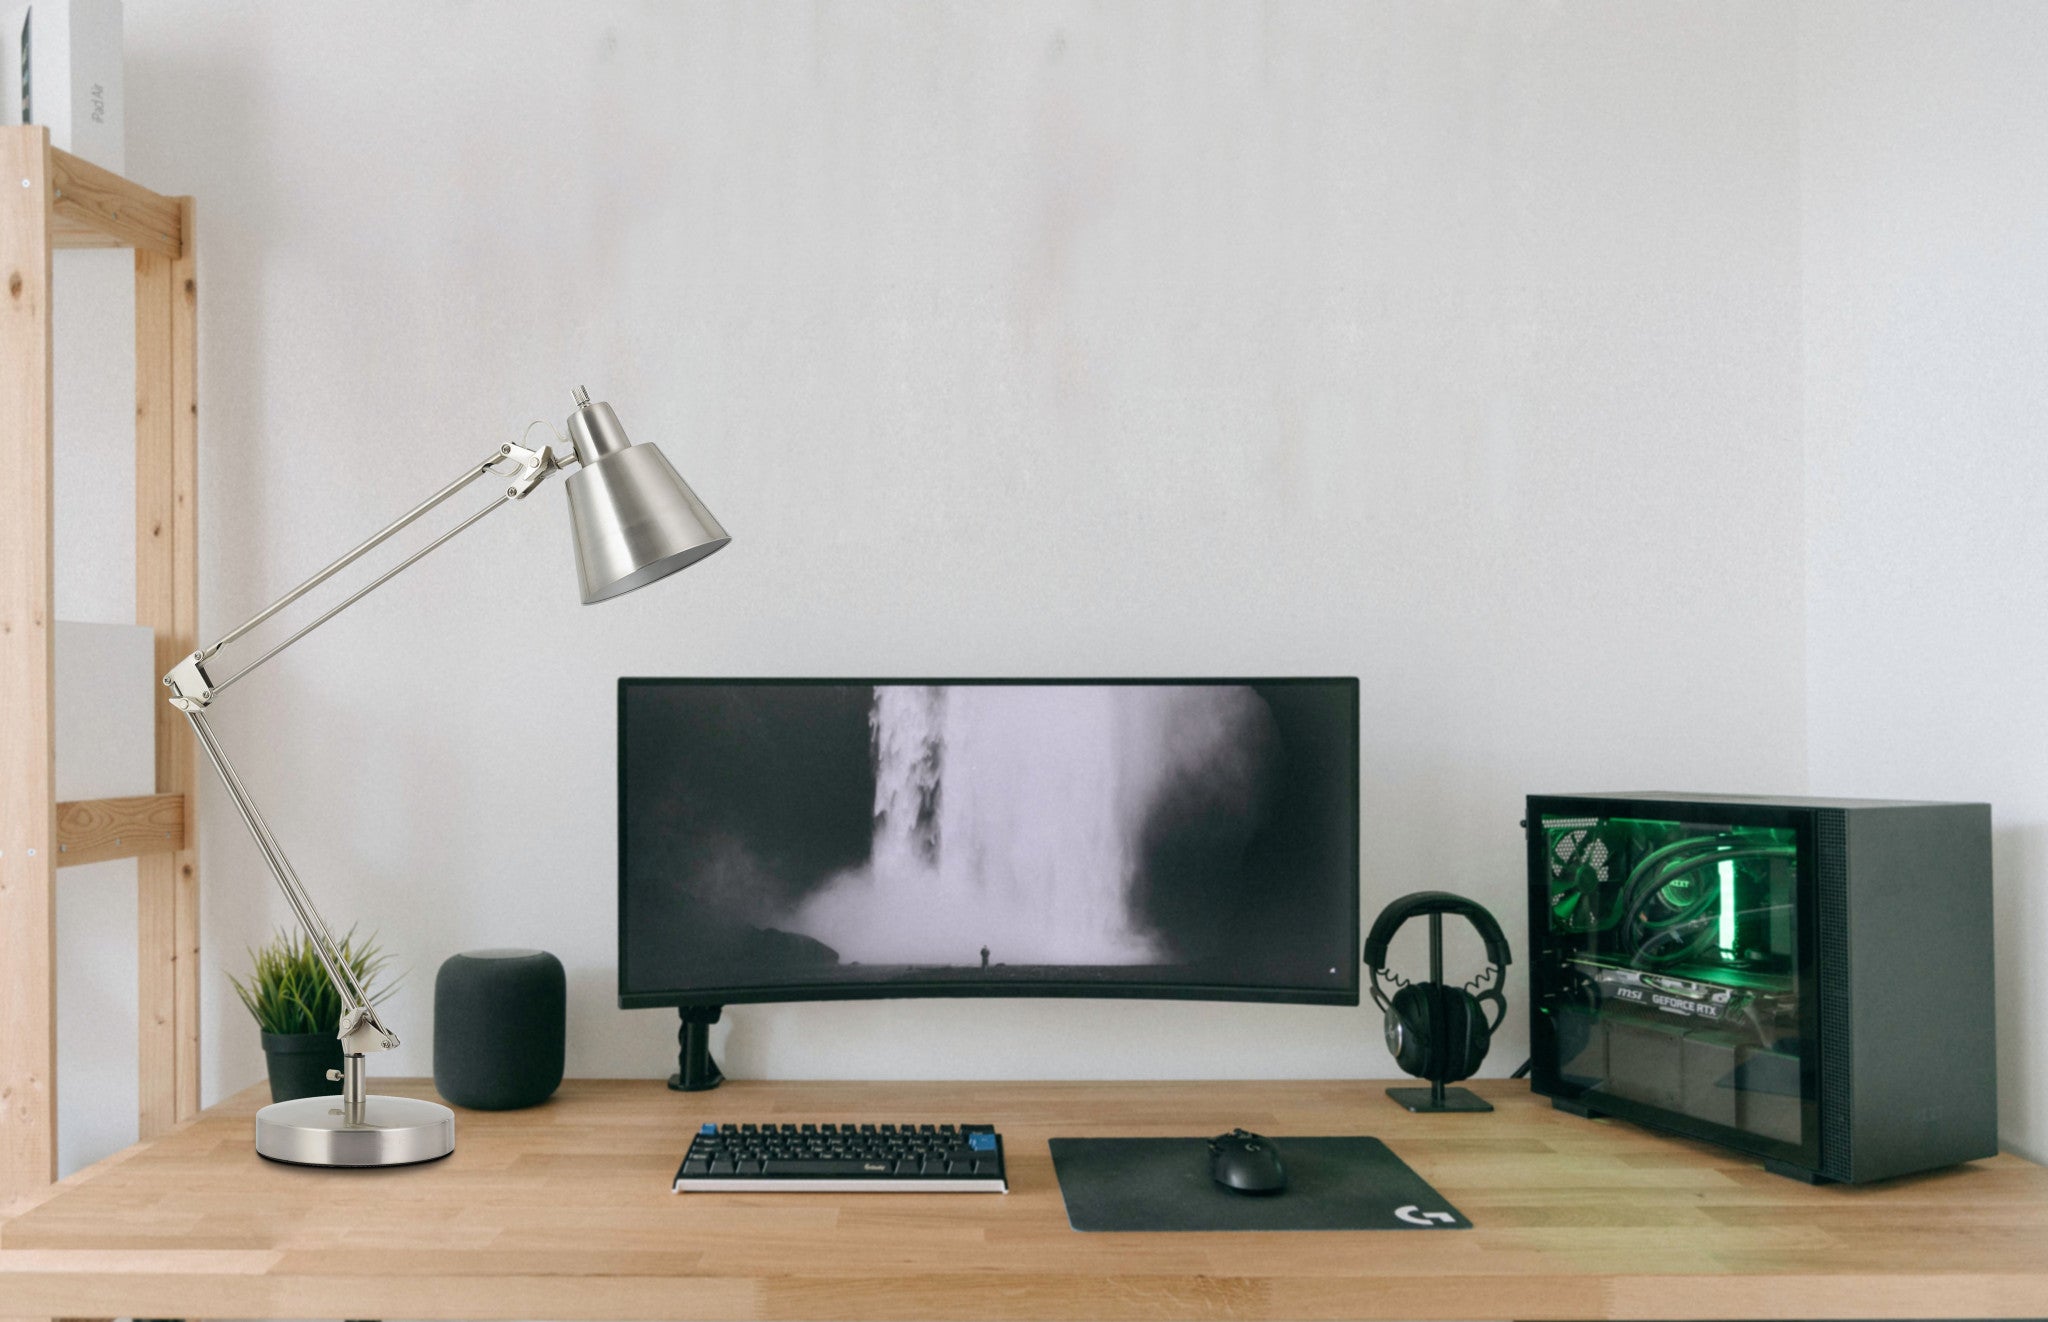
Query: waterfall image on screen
[1010,818]
[791,834]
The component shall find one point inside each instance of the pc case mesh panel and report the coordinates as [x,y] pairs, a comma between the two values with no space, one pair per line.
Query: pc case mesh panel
[1832,877]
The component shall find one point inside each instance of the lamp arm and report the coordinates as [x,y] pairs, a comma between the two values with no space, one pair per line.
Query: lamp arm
[360,1030]
[191,687]
[193,691]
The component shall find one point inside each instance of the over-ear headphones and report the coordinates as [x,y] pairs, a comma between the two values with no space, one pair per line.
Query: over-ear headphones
[1446,1048]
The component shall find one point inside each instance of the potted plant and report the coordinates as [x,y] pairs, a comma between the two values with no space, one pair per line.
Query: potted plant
[298,1010]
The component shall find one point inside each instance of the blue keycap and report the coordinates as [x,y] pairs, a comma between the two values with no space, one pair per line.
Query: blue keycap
[982,1142]
[707,1128]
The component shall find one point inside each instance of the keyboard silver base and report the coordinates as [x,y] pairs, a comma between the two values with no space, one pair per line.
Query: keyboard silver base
[699,1185]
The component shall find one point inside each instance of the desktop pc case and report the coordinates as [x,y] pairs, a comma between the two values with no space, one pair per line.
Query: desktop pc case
[1805,980]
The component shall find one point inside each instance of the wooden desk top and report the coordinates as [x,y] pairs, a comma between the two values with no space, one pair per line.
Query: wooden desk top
[565,1212]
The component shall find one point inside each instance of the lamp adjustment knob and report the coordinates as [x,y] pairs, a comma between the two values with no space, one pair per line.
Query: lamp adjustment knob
[334,1076]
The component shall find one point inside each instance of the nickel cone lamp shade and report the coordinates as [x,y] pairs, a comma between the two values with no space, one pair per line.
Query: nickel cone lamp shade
[634,518]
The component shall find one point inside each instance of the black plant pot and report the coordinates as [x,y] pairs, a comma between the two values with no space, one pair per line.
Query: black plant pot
[299,1063]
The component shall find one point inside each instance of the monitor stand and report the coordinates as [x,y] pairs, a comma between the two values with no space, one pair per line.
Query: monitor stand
[695,1070]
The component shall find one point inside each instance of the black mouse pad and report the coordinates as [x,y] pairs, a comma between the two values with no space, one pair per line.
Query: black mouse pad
[1164,1184]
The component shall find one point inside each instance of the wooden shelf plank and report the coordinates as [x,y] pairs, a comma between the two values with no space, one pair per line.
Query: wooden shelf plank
[95,830]
[93,207]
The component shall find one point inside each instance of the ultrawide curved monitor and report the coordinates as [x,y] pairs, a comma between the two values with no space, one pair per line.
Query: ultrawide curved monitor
[829,839]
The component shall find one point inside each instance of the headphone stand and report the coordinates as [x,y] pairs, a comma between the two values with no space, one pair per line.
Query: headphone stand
[1436,1097]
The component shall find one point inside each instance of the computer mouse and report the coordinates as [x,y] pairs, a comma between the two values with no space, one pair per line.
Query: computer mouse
[1246,1162]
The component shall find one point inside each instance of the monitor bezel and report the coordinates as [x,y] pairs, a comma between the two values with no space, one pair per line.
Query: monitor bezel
[1135,990]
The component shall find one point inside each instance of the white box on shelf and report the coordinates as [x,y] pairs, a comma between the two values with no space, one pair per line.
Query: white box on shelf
[60,65]
[106,710]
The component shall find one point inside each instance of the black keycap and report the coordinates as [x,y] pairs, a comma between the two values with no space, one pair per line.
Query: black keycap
[722,1166]
[750,1129]
[927,1129]
[867,1129]
[696,1166]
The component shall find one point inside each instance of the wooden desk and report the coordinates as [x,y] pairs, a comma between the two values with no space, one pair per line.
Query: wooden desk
[565,1212]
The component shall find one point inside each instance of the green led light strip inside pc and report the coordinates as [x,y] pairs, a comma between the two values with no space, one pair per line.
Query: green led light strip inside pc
[1712,902]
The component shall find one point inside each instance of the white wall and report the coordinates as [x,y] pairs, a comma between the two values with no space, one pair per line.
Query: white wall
[1454,347]
[1925,289]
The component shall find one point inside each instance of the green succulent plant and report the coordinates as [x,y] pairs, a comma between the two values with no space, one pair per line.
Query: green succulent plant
[289,991]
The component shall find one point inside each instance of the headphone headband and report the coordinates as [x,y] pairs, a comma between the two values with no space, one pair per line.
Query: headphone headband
[1418,903]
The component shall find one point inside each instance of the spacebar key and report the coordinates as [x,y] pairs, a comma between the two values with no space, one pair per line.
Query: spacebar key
[819,1168]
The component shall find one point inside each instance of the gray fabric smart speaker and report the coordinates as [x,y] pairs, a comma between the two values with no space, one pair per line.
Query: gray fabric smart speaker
[498,1026]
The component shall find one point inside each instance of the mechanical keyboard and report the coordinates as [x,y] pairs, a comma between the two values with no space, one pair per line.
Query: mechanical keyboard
[842,1158]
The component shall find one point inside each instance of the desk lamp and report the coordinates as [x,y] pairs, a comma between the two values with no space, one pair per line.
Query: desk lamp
[634,520]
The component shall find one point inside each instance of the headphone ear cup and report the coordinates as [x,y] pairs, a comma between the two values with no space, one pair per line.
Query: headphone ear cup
[1465,1035]
[1410,1035]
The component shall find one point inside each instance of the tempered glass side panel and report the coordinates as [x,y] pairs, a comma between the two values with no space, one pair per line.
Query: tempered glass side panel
[1670,973]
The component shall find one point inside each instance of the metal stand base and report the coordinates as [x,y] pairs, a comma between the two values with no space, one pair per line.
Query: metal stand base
[696,1071]
[1440,1098]
[395,1131]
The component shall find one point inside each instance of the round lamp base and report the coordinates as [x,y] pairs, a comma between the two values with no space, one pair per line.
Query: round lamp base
[396,1131]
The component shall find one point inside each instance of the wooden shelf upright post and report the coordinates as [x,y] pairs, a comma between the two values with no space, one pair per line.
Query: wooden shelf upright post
[28,745]
[167,600]
[50,199]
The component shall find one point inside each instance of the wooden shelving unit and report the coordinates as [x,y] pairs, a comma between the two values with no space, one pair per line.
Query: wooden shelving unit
[50,199]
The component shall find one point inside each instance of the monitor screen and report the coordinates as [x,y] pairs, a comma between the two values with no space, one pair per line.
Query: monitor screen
[824,839]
